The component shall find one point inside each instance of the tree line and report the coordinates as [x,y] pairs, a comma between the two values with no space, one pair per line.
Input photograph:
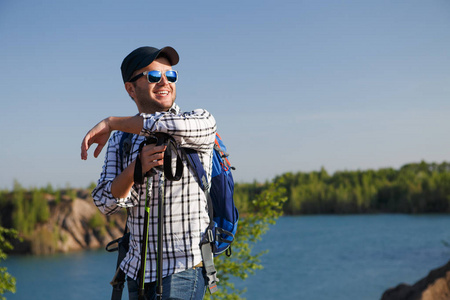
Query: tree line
[413,188]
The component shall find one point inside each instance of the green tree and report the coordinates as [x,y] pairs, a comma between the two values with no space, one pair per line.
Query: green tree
[265,209]
[7,282]
[39,206]
[19,213]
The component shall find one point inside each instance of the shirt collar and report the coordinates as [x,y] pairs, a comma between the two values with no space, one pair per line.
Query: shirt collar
[175,109]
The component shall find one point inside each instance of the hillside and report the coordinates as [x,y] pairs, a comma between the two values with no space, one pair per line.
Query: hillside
[57,222]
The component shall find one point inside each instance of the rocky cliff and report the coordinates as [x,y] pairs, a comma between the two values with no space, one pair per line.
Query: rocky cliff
[435,286]
[74,223]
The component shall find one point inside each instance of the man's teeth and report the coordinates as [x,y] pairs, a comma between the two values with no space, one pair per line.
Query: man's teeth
[163,93]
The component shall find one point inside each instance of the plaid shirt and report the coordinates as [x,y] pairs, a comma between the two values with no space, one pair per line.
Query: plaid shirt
[186,215]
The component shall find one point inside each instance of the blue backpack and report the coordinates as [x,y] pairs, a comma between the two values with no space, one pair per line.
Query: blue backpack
[223,213]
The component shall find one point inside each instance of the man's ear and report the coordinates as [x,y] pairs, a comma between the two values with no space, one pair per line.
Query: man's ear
[130,89]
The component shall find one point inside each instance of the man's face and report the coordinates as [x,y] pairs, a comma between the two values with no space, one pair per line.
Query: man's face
[153,97]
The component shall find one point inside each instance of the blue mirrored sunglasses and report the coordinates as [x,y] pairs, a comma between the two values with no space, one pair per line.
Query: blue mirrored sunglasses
[155,76]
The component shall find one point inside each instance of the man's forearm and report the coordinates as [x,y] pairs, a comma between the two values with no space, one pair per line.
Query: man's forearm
[121,185]
[126,124]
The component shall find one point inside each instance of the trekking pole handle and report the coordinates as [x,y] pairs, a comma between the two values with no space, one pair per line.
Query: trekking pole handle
[160,138]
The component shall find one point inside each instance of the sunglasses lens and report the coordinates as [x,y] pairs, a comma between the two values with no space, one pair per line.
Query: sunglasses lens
[172,76]
[154,76]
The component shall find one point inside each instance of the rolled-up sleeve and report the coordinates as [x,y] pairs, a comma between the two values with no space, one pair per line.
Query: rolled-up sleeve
[195,129]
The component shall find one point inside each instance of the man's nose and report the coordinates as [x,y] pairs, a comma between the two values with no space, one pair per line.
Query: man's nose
[163,80]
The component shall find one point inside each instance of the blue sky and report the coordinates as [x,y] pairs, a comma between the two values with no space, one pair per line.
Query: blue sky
[294,85]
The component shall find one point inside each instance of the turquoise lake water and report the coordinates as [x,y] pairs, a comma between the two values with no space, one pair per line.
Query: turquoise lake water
[310,257]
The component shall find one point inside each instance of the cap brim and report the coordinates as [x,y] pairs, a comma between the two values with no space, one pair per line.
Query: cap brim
[171,53]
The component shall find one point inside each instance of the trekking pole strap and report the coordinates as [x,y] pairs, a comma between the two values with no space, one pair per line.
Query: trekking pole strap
[117,292]
[220,232]
[138,175]
[172,147]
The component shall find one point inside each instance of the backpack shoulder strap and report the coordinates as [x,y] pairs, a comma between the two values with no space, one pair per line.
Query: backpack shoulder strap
[124,147]
[195,164]
[206,244]
[198,169]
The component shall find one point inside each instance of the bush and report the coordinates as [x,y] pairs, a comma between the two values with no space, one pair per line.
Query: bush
[7,282]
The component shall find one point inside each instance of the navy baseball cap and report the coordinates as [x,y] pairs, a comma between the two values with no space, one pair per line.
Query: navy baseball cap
[143,56]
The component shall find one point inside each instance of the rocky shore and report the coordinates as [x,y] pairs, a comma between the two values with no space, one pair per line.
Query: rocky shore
[435,286]
[74,224]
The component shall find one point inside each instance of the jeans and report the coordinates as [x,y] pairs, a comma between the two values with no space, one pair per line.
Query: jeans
[186,285]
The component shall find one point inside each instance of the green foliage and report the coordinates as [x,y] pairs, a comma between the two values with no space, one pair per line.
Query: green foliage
[263,210]
[71,193]
[414,188]
[7,282]
[19,213]
[40,207]
[92,186]
[29,209]
[44,240]
[98,224]
[58,196]
[96,221]
[49,189]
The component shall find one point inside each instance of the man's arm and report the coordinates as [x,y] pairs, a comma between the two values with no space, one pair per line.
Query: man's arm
[151,156]
[100,133]
[195,129]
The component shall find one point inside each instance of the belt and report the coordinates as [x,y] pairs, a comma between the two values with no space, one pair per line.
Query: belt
[199,265]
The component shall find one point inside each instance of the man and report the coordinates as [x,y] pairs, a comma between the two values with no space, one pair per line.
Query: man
[150,82]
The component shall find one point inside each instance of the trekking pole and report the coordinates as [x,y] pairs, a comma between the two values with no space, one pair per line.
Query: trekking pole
[159,256]
[144,247]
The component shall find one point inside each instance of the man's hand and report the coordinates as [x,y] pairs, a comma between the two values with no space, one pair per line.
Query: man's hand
[101,132]
[99,135]
[152,156]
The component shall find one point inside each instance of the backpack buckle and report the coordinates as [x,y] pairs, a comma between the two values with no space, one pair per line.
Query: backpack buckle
[208,263]
[210,236]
